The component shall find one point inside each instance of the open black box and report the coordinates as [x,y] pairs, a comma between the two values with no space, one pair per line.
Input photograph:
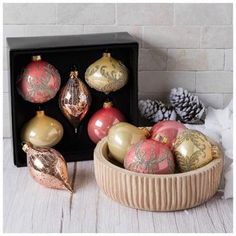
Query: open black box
[63,52]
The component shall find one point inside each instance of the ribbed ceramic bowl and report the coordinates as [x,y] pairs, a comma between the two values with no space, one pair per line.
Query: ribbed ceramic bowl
[155,192]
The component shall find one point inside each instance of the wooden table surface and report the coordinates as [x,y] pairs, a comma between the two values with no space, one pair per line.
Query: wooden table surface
[29,207]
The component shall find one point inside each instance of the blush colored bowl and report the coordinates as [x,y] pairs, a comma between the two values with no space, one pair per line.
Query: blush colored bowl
[152,192]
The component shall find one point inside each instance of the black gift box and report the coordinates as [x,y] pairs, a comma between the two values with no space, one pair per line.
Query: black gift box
[63,52]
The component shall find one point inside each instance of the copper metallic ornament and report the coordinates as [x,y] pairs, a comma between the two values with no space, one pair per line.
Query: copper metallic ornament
[39,82]
[47,167]
[74,100]
[42,131]
[121,136]
[106,74]
[192,150]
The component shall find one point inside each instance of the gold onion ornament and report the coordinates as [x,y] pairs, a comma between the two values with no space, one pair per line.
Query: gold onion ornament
[106,74]
[47,167]
[74,99]
[193,150]
[42,130]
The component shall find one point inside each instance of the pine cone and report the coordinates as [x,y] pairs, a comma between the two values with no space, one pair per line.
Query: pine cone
[156,110]
[187,106]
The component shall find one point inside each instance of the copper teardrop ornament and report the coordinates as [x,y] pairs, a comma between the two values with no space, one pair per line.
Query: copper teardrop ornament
[47,167]
[75,100]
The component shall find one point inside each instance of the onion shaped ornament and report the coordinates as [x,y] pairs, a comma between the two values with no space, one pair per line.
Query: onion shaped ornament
[42,131]
[192,150]
[106,74]
[75,99]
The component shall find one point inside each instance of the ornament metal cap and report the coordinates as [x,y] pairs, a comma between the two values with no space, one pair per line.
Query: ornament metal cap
[146,131]
[40,113]
[74,74]
[36,58]
[106,54]
[107,104]
[26,146]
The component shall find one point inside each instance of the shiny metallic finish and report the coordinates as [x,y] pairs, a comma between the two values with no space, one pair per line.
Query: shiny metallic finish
[121,136]
[106,74]
[74,100]
[47,167]
[42,131]
[192,150]
[39,81]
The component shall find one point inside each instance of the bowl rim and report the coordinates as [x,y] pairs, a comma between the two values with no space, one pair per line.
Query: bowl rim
[101,145]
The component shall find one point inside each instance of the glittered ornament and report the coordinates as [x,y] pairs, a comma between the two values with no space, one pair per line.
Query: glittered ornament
[149,157]
[103,120]
[166,132]
[47,167]
[42,131]
[121,136]
[39,82]
[106,74]
[75,99]
[192,150]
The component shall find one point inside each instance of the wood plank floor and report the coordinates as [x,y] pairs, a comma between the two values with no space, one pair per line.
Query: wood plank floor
[29,207]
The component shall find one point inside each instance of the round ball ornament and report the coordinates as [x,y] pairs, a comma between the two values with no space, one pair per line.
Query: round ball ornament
[39,82]
[103,120]
[192,150]
[106,74]
[42,131]
[150,157]
[47,167]
[75,99]
[121,136]
[166,132]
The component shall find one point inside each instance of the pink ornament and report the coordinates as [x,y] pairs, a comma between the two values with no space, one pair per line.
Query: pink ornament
[149,157]
[166,132]
[102,120]
[39,82]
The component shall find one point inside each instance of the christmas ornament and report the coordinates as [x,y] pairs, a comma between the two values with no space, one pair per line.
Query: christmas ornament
[166,132]
[47,167]
[39,82]
[102,120]
[149,157]
[42,131]
[156,110]
[188,107]
[106,74]
[121,136]
[192,150]
[74,99]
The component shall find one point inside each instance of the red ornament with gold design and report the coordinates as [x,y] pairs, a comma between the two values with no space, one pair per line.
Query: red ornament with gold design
[150,157]
[166,131]
[39,82]
[102,120]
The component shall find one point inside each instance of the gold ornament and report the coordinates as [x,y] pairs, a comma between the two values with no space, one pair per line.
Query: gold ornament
[192,150]
[42,131]
[47,167]
[74,100]
[121,136]
[106,74]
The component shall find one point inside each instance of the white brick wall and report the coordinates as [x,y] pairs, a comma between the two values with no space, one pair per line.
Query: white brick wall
[188,45]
